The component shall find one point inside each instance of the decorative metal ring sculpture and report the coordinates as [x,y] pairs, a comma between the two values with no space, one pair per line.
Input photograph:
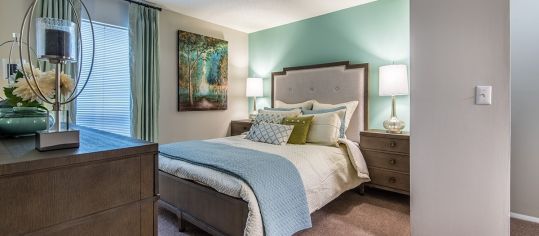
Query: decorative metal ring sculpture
[30,76]
[14,43]
[27,23]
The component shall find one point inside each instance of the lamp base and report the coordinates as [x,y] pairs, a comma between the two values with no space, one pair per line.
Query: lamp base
[47,141]
[253,115]
[394,125]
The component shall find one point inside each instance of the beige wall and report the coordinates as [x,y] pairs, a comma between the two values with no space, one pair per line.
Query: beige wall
[525,84]
[11,15]
[460,152]
[108,11]
[176,126]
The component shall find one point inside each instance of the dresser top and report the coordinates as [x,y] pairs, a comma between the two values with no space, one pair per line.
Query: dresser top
[19,154]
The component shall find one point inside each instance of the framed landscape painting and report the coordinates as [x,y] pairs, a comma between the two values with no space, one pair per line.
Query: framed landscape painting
[202,72]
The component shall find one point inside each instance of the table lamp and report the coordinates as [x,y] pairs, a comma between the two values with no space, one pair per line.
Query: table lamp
[58,42]
[393,81]
[254,88]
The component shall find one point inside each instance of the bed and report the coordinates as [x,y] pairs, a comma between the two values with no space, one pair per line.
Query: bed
[223,204]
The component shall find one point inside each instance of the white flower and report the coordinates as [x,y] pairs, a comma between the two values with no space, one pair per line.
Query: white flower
[46,81]
[24,91]
[28,71]
[66,83]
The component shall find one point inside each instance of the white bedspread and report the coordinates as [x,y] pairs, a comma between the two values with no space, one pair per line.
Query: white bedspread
[326,172]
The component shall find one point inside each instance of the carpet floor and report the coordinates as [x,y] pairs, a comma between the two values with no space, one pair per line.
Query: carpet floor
[377,213]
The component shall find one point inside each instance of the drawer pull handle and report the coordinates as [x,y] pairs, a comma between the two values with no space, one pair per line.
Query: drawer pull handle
[392,144]
[392,161]
[392,180]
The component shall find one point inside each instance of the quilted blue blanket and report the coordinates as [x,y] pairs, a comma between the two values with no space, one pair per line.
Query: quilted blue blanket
[274,180]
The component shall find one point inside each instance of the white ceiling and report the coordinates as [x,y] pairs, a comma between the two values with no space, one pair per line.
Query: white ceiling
[254,15]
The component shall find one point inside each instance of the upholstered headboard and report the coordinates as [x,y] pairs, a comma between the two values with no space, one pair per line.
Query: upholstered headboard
[333,83]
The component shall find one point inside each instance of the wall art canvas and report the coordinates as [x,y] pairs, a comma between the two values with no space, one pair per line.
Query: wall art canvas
[202,72]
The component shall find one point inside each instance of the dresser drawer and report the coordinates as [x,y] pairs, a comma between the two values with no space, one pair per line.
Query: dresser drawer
[387,160]
[390,179]
[238,128]
[385,144]
[51,197]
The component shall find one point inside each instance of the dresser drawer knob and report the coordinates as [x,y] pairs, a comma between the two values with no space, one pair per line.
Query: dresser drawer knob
[392,180]
[392,161]
[392,144]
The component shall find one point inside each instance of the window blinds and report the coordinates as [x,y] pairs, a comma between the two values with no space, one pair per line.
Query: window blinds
[105,103]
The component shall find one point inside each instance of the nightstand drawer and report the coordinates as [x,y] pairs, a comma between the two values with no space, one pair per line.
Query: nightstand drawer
[387,160]
[385,144]
[390,179]
[238,128]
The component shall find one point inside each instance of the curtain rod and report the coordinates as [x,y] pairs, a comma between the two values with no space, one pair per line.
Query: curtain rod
[144,4]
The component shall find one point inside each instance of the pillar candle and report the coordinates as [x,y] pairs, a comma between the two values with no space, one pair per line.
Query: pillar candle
[57,43]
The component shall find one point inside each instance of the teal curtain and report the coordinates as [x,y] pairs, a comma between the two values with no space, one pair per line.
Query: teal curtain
[62,9]
[144,62]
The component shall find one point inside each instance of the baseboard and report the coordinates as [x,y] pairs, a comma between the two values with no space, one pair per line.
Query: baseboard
[525,217]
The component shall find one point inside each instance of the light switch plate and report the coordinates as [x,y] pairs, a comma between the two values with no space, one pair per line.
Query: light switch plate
[483,95]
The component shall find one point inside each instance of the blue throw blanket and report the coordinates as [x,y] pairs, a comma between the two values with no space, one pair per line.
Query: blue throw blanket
[274,180]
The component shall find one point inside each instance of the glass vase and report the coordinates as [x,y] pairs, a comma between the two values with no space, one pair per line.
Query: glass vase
[19,121]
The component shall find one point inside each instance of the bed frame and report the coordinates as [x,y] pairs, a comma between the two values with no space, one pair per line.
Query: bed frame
[220,214]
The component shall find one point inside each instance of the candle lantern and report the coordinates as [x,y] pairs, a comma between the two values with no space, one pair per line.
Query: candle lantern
[57,41]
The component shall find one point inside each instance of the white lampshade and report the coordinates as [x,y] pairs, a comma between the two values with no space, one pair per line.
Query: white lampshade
[393,80]
[255,87]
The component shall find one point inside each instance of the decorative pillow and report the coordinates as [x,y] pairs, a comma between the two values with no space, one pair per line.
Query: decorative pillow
[301,128]
[293,112]
[340,111]
[350,109]
[270,133]
[303,105]
[324,129]
[274,118]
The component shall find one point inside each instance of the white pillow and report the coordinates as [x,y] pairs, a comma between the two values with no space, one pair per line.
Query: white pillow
[291,113]
[350,109]
[308,105]
[324,129]
[341,112]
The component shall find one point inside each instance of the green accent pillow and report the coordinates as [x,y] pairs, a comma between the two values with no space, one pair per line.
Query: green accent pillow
[301,128]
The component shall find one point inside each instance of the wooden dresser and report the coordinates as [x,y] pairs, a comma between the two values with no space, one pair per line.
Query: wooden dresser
[238,127]
[108,186]
[388,160]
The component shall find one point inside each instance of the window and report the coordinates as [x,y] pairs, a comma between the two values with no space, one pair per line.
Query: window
[105,104]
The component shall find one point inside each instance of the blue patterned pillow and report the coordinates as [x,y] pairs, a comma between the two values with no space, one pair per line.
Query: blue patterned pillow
[270,133]
[342,116]
[274,118]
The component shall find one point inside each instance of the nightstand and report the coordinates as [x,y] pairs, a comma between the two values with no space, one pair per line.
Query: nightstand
[388,159]
[238,127]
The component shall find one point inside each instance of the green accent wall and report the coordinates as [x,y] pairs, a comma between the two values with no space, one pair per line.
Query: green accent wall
[377,33]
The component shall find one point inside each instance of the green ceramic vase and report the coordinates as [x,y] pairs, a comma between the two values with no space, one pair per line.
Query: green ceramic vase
[18,121]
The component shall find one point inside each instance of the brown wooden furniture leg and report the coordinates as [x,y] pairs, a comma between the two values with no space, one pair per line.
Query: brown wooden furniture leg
[360,189]
[181,223]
